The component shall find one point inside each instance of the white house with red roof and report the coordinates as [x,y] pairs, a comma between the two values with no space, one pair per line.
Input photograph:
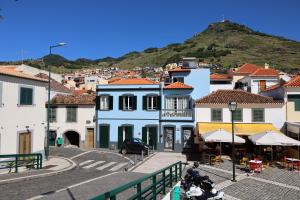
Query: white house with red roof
[255,79]
[220,81]
[22,112]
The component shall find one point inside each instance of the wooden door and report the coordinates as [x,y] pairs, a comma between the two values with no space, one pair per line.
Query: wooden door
[262,85]
[90,138]
[25,143]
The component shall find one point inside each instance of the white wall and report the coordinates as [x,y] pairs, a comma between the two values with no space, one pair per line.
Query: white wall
[15,118]
[274,114]
[215,87]
[84,113]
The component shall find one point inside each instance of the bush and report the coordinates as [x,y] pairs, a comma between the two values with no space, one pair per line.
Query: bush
[151,50]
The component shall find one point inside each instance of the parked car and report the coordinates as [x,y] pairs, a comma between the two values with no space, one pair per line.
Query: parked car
[134,145]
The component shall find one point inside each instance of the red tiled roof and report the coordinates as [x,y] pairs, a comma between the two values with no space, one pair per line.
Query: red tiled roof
[265,72]
[179,69]
[84,99]
[133,81]
[11,71]
[219,77]
[294,82]
[81,92]
[246,68]
[56,86]
[239,96]
[178,85]
[271,88]
[114,79]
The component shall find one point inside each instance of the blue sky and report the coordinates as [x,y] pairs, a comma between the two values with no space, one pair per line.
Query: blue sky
[99,28]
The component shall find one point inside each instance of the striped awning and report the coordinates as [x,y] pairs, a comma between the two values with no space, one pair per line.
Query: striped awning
[239,128]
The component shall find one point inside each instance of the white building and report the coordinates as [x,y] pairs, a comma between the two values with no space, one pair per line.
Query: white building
[22,112]
[73,120]
[220,82]
[255,113]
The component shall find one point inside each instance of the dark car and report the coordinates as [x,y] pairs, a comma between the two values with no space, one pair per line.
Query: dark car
[134,145]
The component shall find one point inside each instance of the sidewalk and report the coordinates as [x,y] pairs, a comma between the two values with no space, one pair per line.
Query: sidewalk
[52,166]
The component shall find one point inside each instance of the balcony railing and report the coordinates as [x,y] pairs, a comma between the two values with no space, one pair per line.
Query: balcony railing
[177,113]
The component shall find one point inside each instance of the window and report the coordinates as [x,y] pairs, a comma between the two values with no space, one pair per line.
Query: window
[151,102]
[216,114]
[71,114]
[104,101]
[177,103]
[127,102]
[178,79]
[296,99]
[26,96]
[238,115]
[52,114]
[258,115]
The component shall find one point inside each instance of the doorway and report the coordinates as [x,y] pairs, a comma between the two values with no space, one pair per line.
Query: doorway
[25,143]
[169,138]
[52,137]
[71,138]
[90,138]
[124,132]
[187,139]
[149,136]
[104,136]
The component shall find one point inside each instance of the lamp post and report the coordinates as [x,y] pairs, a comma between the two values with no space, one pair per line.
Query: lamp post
[232,107]
[49,100]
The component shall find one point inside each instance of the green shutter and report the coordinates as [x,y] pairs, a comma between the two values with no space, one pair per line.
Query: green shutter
[158,102]
[237,115]
[144,102]
[129,132]
[120,137]
[97,102]
[297,104]
[258,115]
[134,99]
[111,103]
[144,134]
[120,103]
[104,136]
[153,136]
[26,96]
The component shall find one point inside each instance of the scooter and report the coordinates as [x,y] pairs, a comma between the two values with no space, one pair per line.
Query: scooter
[199,187]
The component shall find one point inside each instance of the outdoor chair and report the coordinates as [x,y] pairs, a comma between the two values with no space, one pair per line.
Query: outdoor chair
[216,159]
[244,161]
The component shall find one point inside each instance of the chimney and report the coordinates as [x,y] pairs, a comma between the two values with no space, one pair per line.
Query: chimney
[266,66]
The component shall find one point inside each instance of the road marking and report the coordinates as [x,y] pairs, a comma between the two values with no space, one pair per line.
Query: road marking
[78,155]
[93,165]
[117,167]
[86,162]
[106,166]
[72,186]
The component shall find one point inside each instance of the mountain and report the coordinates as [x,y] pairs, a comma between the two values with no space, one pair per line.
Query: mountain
[222,43]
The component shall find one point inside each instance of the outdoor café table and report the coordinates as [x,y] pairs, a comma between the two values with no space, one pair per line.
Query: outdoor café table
[293,160]
[255,165]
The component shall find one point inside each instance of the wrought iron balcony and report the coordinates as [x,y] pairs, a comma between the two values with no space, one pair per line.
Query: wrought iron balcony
[169,113]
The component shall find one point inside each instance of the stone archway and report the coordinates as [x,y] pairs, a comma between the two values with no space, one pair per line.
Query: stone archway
[71,138]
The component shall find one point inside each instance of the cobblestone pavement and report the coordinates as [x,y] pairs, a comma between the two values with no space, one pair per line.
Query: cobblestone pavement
[271,183]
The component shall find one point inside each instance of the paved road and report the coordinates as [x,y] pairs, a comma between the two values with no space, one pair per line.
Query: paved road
[90,165]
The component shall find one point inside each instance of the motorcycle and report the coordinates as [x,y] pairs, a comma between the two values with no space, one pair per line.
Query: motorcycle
[197,187]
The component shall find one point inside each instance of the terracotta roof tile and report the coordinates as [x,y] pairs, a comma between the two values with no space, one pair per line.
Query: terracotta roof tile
[84,99]
[265,72]
[56,86]
[239,96]
[271,88]
[294,82]
[179,69]
[178,85]
[220,77]
[11,71]
[113,80]
[133,81]
[246,68]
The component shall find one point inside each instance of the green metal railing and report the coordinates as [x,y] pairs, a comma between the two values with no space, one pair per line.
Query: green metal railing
[18,160]
[159,181]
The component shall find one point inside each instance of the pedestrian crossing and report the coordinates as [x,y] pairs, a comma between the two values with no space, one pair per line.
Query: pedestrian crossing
[102,165]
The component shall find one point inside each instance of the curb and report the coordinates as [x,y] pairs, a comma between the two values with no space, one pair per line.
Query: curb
[12,180]
[141,162]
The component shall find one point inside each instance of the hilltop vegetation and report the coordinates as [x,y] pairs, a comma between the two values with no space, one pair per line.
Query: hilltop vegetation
[223,43]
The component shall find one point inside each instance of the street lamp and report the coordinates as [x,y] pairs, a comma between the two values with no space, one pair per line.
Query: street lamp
[232,107]
[49,101]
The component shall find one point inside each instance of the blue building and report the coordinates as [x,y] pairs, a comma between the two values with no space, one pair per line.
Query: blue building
[161,114]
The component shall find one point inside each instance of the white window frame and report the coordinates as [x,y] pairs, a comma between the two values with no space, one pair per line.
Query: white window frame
[177,103]
[33,94]
[153,104]
[126,100]
[104,102]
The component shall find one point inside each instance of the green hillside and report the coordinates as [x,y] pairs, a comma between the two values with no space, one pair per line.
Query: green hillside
[223,43]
